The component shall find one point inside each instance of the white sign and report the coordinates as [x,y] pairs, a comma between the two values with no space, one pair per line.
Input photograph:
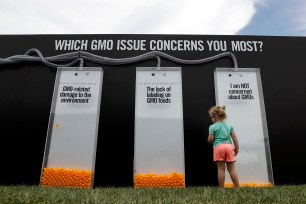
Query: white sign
[241,93]
[74,120]
[159,136]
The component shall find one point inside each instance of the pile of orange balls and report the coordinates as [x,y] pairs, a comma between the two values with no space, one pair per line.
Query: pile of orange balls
[251,185]
[175,180]
[60,177]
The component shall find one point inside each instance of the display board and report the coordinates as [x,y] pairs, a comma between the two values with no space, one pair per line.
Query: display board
[159,135]
[240,90]
[70,151]
[27,87]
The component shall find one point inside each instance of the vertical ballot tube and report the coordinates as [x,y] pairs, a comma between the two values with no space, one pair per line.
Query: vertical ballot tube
[70,150]
[241,92]
[159,136]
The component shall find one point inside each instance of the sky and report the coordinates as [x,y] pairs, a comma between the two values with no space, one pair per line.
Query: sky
[199,17]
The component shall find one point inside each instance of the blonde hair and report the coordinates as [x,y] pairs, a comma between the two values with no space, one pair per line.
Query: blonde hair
[218,111]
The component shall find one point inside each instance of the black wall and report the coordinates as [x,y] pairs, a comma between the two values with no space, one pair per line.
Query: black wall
[26,90]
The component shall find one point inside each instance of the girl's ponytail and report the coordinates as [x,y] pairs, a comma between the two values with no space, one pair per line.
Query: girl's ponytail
[218,111]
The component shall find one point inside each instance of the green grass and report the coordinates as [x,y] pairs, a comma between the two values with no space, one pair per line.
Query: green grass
[35,194]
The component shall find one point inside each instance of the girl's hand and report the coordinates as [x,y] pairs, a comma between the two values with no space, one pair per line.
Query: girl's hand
[236,151]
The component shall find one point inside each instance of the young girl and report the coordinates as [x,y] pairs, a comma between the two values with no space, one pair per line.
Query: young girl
[221,135]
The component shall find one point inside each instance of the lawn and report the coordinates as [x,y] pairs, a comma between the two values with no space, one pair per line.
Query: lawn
[36,194]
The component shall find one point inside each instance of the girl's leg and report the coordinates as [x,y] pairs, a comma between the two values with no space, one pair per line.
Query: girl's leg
[221,173]
[233,173]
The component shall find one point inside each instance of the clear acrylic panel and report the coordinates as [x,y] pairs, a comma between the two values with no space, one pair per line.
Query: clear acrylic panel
[159,135]
[241,92]
[70,150]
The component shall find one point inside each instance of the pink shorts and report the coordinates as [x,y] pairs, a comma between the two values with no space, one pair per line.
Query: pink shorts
[225,153]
